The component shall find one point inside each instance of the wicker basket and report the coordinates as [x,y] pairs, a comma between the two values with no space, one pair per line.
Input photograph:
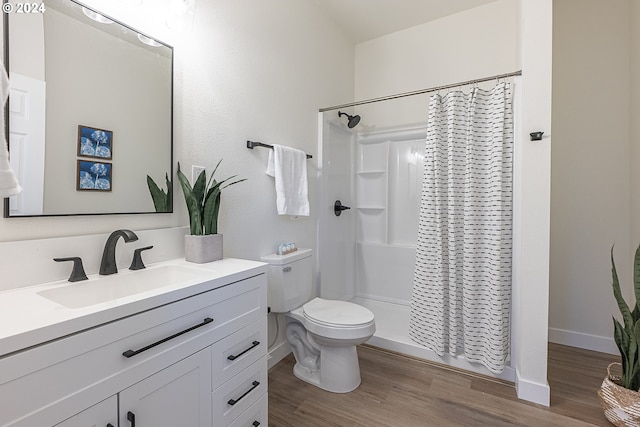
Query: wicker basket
[621,405]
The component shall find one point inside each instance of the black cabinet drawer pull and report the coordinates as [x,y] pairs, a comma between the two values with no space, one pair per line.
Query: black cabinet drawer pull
[131,353]
[233,402]
[131,417]
[253,345]
[254,424]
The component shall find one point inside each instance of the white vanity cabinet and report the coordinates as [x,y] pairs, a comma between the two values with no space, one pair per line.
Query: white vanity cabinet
[103,414]
[199,361]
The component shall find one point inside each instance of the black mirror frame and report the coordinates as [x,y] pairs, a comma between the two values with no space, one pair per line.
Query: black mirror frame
[6,122]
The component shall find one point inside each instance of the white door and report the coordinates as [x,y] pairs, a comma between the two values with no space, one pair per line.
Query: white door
[26,142]
[103,414]
[179,395]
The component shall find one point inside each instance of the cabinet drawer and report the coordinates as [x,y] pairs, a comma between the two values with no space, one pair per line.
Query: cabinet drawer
[239,393]
[238,351]
[255,416]
[85,367]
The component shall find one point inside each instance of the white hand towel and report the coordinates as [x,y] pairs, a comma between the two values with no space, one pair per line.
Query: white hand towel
[8,183]
[289,168]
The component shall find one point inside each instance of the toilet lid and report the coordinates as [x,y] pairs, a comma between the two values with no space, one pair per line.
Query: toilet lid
[337,313]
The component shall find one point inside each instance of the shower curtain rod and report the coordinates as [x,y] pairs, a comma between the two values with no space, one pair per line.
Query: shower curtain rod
[419,92]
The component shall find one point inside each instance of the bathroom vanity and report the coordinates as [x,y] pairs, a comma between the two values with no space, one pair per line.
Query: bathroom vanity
[190,352]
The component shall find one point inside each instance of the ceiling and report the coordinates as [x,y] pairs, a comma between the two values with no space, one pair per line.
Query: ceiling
[368,19]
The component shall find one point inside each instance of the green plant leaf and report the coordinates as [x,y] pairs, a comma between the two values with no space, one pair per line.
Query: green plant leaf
[234,182]
[634,374]
[158,195]
[210,213]
[216,168]
[215,185]
[199,187]
[632,361]
[169,203]
[193,206]
[216,209]
[622,305]
[622,341]
[213,173]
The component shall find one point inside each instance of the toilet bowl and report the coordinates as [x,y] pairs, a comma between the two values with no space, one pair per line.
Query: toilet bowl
[323,333]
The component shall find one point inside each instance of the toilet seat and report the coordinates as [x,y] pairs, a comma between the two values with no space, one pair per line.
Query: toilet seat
[321,318]
[337,314]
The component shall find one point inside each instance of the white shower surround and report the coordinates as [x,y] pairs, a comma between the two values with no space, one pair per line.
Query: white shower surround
[499,37]
[363,170]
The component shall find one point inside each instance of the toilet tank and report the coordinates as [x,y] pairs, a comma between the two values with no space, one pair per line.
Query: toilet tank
[289,280]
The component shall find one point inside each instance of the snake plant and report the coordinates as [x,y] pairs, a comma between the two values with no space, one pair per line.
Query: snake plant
[162,201]
[627,337]
[203,200]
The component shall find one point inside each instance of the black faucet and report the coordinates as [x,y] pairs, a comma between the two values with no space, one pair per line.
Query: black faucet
[108,264]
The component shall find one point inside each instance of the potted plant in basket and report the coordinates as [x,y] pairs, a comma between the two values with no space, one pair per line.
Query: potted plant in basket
[619,394]
[204,244]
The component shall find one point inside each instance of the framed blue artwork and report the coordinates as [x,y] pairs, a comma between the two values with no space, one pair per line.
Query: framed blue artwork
[94,142]
[93,176]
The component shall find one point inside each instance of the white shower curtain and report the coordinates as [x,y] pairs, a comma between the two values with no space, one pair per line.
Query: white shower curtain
[461,302]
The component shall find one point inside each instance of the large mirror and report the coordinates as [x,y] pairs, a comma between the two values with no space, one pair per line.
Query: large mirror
[90,112]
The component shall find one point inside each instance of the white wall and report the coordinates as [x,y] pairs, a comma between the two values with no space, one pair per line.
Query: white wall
[478,42]
[249,70]
[592,196]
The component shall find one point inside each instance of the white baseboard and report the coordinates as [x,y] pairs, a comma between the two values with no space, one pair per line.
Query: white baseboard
[581,340]
[278,352]
[533,392]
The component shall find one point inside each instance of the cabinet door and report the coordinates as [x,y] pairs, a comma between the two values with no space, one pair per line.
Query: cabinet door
[179,395]
[104,414]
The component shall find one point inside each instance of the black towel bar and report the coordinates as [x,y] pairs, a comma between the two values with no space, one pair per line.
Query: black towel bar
[251,144]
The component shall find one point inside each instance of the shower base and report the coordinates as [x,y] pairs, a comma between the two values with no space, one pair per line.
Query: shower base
[392,333]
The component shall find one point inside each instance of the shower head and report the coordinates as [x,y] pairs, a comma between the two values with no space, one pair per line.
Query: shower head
[353,120]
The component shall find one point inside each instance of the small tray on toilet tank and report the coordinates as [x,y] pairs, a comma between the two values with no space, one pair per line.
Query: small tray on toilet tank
[275,259]
[289,280]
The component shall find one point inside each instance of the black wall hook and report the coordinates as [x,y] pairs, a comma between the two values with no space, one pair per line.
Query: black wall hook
[536,136]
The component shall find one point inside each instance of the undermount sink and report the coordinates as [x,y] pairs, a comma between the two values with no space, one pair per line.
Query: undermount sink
[103,289]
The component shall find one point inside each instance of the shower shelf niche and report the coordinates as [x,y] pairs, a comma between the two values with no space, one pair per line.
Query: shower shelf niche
[388,182]
[372,190]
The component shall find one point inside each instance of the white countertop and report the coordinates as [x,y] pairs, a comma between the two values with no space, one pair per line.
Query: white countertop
[28,318]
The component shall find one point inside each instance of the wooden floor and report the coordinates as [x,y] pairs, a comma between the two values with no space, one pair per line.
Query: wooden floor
[399,391]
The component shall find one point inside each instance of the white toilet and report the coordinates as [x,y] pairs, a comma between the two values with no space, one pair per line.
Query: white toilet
[323,333]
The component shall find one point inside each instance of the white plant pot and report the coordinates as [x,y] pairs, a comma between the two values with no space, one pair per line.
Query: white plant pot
[201,249]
